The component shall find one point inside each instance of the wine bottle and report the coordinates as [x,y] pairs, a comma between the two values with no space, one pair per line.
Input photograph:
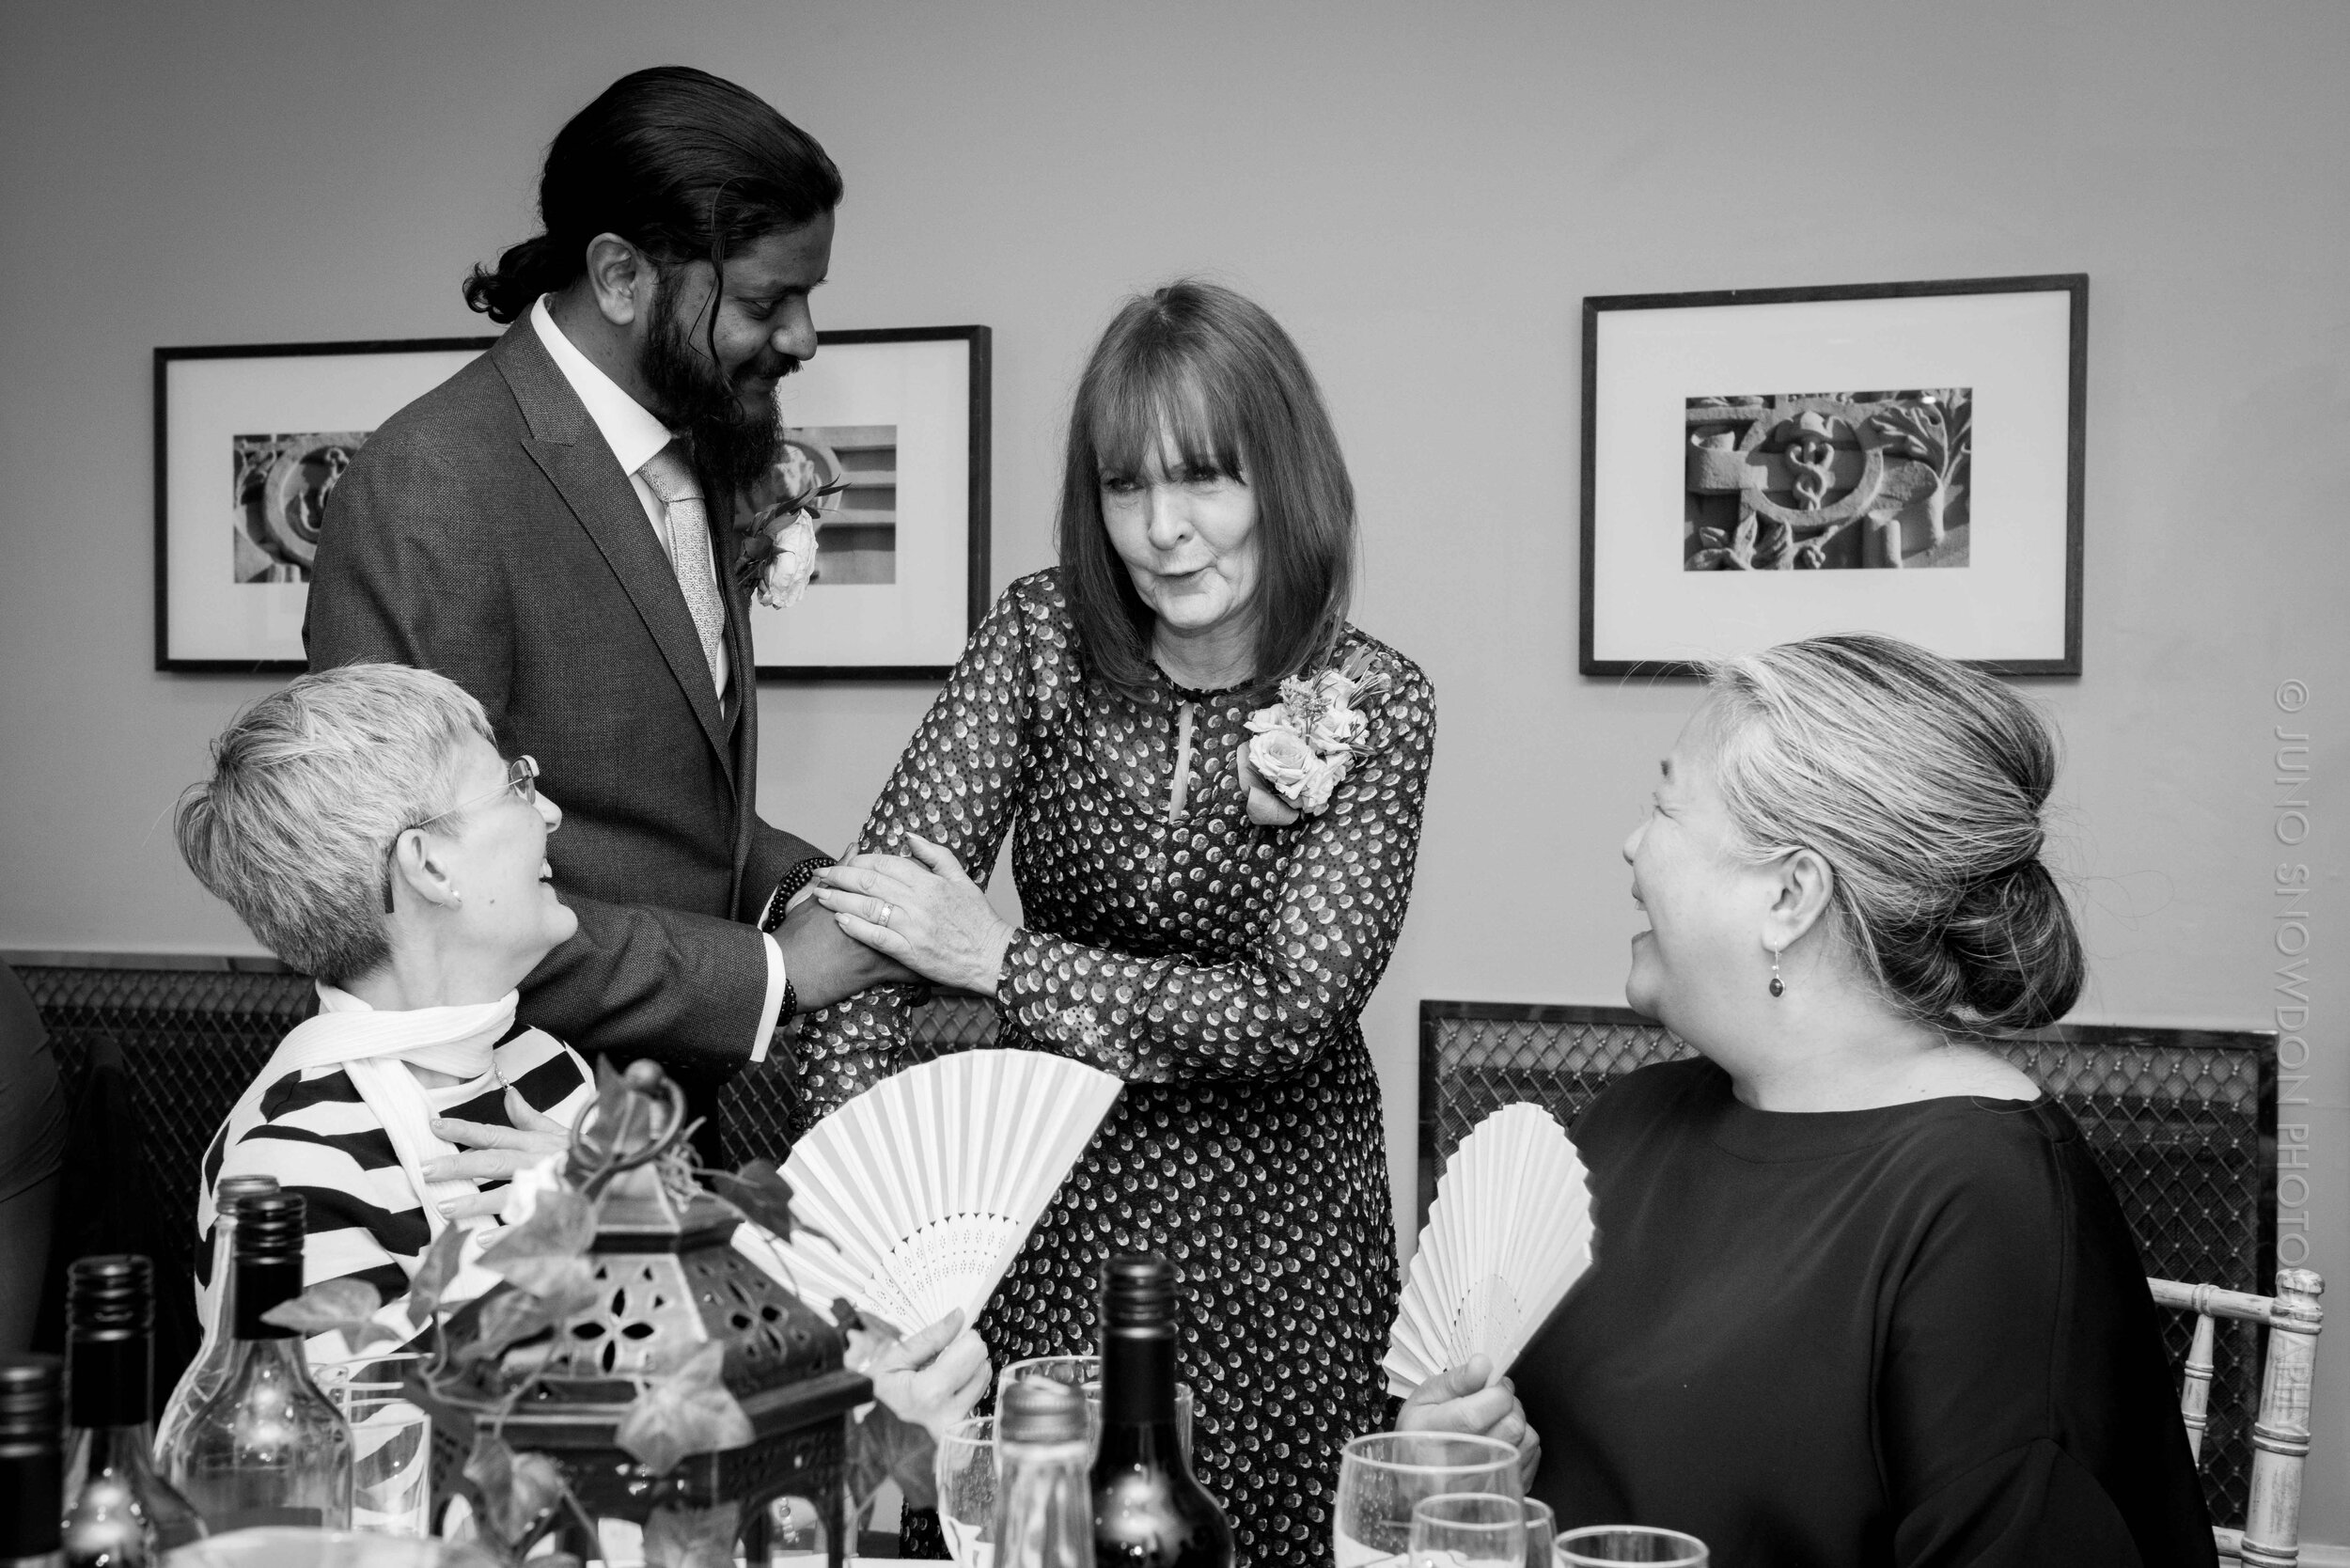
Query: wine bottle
[119,1513]
[211,1365]
[1147,1510]
[1043,1500]
[32,1461]
[267,1447]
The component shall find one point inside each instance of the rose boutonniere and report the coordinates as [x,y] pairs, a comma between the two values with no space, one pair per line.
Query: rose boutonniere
[1302,747]
[778,553]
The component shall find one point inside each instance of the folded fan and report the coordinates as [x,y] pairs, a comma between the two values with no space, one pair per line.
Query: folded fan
[928,1183]
[1509,1233]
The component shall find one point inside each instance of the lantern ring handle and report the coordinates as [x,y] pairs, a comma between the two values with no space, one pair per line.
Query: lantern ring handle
[602,1165]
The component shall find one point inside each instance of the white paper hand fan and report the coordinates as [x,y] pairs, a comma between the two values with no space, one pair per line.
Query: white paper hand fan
[1509,1233]
[929,1182]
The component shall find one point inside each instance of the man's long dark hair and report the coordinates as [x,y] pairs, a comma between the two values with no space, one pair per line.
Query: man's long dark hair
[680,164]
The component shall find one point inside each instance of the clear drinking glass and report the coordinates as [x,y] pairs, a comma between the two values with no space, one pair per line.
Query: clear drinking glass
[1541,1533]
[966,1490]
[1383,1477]
[1468,1529]
[1084,1374]
[1599,1545]
[391,1439]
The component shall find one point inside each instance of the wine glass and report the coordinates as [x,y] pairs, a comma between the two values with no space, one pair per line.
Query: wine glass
[1603,1546]
[1383,1477]
[1468,1529]
[1541,1533]
[966,1490]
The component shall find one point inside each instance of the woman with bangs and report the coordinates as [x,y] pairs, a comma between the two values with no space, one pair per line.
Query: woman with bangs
[1193,927]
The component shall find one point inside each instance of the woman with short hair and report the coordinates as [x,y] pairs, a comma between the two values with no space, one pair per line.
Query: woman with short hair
[362,824]
[1186,930]
[1859,1293]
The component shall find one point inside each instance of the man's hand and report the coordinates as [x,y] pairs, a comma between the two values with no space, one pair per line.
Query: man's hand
[825,965]
[1471,1398]
[935,1377]
[494,1154]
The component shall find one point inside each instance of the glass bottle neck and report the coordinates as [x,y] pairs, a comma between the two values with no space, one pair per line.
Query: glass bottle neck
[110,1381]
[223,1279]
[262,1285]
[1138,1378]
[1045,1506]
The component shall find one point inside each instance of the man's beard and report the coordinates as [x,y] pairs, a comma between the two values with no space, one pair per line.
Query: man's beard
[690,393]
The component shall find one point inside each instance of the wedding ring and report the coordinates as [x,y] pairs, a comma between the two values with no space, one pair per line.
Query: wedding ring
[881,918]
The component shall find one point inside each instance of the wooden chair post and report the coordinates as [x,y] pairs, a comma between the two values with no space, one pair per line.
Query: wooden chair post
[2195,1392]
[2281,1436]
[2271,1536]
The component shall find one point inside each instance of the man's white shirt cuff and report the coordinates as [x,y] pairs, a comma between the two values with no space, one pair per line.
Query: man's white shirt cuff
[774,1005]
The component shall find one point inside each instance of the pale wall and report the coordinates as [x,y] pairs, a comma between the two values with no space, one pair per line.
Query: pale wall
[1424,194]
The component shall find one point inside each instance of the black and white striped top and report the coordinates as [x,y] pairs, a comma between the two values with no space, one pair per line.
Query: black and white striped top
[315,1134]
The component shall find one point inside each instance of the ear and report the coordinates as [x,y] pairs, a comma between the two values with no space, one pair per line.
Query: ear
[423,874]
[621,278]
[1800,901]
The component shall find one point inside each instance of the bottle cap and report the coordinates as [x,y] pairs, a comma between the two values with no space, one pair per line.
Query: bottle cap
[110,1296]
[233,1189]
[32,1400]
[1040,1410]
[1138,1290]
[269,1227]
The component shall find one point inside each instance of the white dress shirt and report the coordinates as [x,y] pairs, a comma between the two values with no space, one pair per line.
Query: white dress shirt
[634,434]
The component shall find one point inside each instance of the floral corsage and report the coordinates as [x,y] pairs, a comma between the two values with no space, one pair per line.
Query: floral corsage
[778,553]
[1304,744]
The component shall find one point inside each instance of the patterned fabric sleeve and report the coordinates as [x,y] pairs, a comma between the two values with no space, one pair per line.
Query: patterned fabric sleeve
[1276,1007]
[956,785]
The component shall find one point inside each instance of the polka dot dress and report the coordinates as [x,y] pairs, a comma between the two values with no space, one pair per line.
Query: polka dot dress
[1220,968]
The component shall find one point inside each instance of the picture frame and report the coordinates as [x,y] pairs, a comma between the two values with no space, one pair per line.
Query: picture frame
[249,442]
[1721,514]
[901,416]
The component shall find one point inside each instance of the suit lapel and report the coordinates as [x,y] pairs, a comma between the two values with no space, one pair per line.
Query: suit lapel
[571,452]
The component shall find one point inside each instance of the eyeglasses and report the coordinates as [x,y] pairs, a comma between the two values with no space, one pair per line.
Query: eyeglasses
[522,781]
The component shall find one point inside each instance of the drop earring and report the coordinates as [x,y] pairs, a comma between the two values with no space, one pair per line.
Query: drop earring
[1779,987]
[457,901]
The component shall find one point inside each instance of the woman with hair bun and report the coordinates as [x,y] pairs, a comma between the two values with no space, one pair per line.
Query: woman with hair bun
[1860,1295]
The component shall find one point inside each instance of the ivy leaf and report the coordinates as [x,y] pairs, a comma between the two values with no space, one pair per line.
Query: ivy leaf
[692,1537]
[761,1195]
[512,1316]
[516,1488]
[562,1226]
[609,1123]
[345,1305]
[441,1262]
[883,1447]
[688,1411]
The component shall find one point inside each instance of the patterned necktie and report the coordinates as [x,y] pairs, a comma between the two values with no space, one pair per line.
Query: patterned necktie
[670,475]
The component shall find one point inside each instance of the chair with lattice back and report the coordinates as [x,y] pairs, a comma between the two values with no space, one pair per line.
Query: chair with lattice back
[2181,1122]
[2271,1536]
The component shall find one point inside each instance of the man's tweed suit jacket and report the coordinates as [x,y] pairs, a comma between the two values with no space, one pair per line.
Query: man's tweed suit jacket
[486,531]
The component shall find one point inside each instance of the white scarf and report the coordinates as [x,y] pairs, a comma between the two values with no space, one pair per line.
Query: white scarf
[375,1049]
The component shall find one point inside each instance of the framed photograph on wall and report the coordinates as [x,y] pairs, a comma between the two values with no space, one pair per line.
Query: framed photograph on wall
[1930,491]
[249,442]
[898,416]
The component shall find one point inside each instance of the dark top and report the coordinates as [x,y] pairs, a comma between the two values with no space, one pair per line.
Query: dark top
[1219,968]
[486,531]
[1919,1334]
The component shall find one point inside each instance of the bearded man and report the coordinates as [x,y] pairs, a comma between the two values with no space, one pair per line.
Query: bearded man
[553,528]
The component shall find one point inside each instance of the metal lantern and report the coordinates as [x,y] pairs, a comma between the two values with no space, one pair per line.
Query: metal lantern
[667,1281]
